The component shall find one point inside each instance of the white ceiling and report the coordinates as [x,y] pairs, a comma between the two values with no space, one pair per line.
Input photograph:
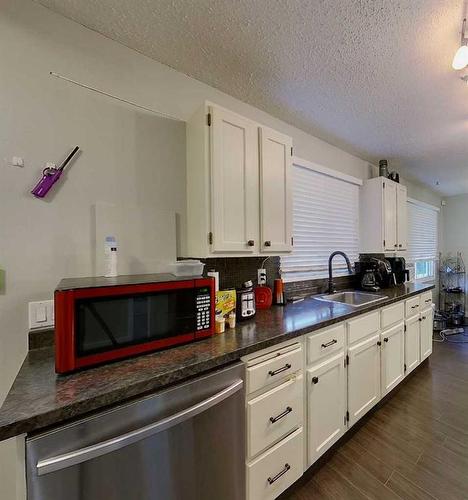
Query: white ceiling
[371,76]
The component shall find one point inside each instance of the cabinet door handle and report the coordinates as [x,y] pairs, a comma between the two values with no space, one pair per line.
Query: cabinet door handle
[268,243]
[315,380]
[396,246]
[251,243]
[287,366]
[400,245]
[379,343]
[281,415]
[385,339]
[423,318]
[328,344]
[271,480]
[419,319]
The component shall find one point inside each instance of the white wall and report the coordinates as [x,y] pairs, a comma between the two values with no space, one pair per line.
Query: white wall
[40,117]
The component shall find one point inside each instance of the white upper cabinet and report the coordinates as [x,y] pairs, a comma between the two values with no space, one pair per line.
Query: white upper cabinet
[234,182]
[383,216]
[402,217]
[275,191]
[238,186]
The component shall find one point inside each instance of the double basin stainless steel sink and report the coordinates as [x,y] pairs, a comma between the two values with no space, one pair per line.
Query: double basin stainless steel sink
[353,299]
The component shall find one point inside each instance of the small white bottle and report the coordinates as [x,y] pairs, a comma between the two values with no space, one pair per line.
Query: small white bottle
[110,257]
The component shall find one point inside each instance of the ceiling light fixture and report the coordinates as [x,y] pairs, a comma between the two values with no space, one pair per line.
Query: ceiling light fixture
[460,60]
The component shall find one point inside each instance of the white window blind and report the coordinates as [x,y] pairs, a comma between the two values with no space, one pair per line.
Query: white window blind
[422,232]
[325,219]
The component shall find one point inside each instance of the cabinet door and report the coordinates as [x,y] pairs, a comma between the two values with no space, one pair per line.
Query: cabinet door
[326,405]
[393,357]
[426,333]
[390,215]
[402,218]
[363,377]
[275,191]
[412,343]
[234,183]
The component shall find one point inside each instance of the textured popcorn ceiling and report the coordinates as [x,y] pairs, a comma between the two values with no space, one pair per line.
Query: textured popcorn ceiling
[371,76]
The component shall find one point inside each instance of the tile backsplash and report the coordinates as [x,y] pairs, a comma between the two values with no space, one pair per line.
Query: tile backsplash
[233,271]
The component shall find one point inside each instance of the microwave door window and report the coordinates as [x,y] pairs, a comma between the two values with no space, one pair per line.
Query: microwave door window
[109,323]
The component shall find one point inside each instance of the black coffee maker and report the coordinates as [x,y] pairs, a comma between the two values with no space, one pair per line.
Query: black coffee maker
[398,265]
[374,273]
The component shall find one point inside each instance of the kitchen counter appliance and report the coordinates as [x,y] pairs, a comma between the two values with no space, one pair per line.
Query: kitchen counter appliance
[103,319]
[185,443]
[398,265]
[246,301]
[374,273]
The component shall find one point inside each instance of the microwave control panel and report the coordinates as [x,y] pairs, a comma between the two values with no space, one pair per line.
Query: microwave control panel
[203,309]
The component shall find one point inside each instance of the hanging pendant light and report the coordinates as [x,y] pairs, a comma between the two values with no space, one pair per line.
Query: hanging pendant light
[460,60]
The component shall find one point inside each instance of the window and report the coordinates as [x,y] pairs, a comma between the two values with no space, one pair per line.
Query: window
[422,240]
[325,219]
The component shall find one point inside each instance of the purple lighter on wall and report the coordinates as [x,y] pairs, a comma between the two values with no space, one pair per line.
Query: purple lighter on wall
[50,176]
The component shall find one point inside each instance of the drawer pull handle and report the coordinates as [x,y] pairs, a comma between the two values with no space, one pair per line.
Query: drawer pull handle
[328,344]
[385,339]
[268,243]
[271,480]
[287,366]
[281,415]
[414,307]
[315,380]
[427,301]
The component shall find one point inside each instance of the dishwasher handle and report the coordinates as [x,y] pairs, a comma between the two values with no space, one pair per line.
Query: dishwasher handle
[81,455]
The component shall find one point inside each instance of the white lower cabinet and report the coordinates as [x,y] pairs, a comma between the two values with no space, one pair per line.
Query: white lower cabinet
[326,405]
[412,343]
[393,357]
[426,333]
[363,377]
[350,366]
[279,467]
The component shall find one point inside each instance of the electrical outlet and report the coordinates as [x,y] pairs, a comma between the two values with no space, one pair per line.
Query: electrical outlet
[41,314]
[261,276]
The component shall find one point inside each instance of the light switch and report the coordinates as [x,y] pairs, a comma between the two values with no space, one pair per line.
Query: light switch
[41,314]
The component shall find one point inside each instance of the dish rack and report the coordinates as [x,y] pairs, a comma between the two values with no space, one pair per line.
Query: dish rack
[452,290]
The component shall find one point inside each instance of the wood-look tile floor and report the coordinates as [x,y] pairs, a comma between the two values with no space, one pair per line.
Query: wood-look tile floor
[414,447]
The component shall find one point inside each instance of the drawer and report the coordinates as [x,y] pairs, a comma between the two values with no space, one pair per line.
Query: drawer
[363,326]
[274,414]
[325,342]
[277,469]
[273,367]
[412,306]
[425,300]
[392,314]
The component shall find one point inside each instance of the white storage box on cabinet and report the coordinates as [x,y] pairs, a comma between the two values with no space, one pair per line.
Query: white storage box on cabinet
[227,156]
[273,366]
[392,357]
[274,414]
[383,208]
[276,469]
[326,405]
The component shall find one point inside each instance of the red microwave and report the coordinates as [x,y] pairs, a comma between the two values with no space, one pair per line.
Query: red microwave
[104,319]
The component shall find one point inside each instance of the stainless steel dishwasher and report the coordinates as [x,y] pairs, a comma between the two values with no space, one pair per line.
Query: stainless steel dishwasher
[184,443]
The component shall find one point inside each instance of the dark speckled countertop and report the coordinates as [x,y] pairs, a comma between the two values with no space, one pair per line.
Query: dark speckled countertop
[39,398]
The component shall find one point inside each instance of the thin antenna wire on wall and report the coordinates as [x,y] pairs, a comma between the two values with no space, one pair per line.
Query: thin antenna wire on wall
[102,92]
